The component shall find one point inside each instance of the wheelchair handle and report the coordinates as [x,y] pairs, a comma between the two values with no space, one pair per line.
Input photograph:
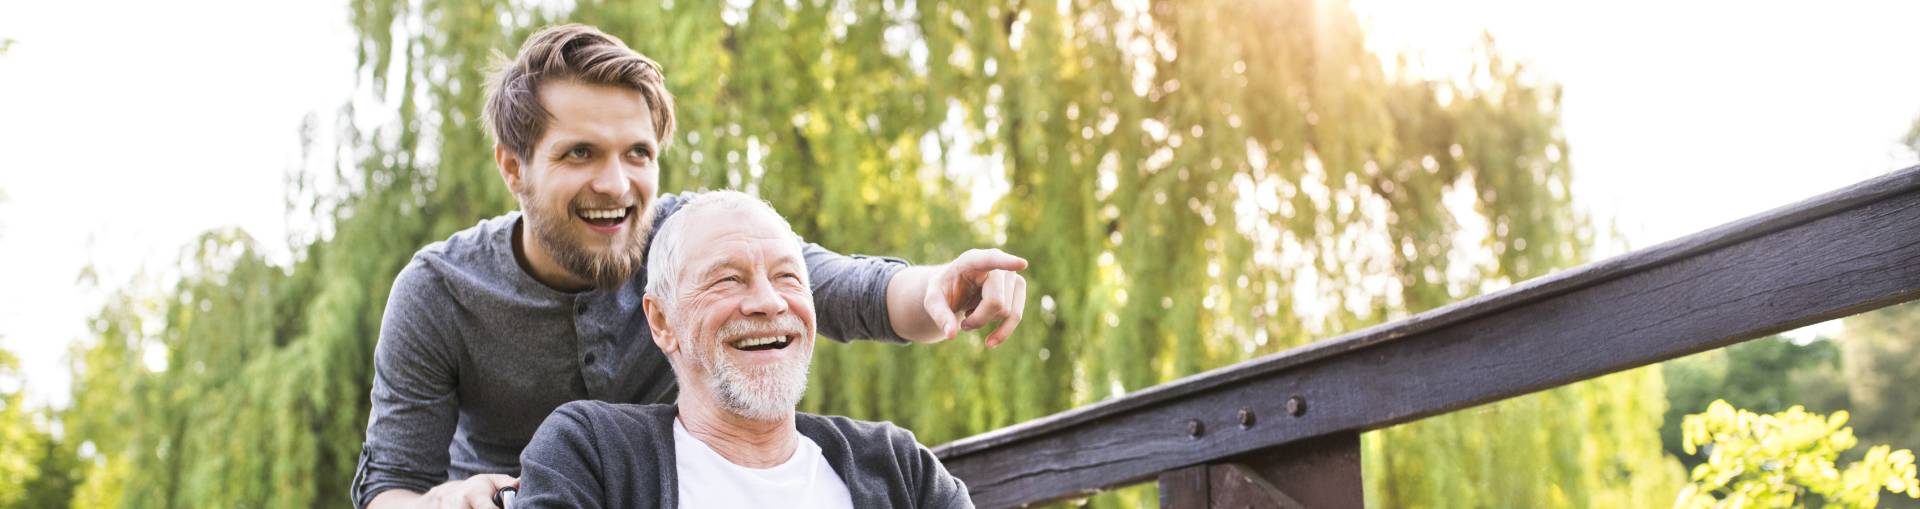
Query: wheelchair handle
[503,497]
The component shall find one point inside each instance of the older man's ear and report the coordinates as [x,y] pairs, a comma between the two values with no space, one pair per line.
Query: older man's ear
[657,320]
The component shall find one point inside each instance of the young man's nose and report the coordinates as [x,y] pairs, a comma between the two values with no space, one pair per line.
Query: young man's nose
[610,178]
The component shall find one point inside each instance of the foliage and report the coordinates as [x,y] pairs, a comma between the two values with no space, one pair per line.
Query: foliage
[1764,375]
[1195,184]
[18,437]
[1880,356]
[1913,137]
[1786,459]
[38,468]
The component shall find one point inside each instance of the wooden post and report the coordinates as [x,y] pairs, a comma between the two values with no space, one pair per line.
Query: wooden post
[1322,472]
[1185,488]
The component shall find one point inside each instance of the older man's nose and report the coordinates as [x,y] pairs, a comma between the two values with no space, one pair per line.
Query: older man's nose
[762,300]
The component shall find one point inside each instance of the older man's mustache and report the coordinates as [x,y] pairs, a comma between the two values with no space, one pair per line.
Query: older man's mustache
[763,334]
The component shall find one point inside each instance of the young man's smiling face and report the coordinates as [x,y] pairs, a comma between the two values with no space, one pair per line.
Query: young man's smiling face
[588,185]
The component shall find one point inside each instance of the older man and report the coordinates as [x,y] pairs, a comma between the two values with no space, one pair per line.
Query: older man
[730,304]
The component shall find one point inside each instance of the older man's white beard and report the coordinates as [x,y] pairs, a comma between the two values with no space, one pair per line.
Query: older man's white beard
[761,393]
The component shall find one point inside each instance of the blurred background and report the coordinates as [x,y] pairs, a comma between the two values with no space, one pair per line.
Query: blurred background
[204,202]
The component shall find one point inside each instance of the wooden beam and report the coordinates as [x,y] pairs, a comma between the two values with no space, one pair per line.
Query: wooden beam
[1832,256]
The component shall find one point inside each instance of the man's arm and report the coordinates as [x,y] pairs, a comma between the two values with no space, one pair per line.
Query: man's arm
[980,287]
[862,297]
[938,488]
[850,294]
[414,406]
[559,467]
[887,299]
[929,484]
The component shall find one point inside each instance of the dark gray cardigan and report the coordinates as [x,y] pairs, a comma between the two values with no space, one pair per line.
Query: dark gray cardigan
[596,454]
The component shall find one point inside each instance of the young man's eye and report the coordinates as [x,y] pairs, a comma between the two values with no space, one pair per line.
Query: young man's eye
[639,153]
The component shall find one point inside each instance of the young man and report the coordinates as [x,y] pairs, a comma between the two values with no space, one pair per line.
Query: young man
[489,331]
[729,303]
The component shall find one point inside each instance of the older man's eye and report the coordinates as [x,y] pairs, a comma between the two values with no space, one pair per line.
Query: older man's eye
[580,153]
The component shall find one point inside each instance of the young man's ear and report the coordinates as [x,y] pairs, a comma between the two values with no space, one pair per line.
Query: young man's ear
[510,169]
[657,320]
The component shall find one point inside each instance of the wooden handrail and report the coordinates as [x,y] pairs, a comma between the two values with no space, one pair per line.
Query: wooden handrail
[1830,256]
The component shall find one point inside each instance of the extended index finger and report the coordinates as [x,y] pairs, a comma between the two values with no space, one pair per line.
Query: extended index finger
[983,260]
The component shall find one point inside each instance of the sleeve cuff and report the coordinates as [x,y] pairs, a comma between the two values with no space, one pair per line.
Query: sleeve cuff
[371,477]
[874,313]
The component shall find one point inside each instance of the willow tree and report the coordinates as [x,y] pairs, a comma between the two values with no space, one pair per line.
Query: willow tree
[20,438]
[1196,183]
[39,468]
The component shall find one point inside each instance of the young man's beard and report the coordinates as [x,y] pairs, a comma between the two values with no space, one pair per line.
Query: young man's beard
[610,269]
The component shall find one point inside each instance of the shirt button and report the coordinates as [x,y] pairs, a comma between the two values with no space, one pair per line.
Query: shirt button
[589,359]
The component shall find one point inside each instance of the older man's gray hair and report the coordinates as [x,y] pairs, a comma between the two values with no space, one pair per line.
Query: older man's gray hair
[665,259]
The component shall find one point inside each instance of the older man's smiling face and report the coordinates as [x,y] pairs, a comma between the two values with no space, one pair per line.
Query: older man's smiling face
[742,314]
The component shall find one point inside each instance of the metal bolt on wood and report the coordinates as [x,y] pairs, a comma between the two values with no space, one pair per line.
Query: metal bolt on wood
[1296,406]
[1195,429]
[1246,418]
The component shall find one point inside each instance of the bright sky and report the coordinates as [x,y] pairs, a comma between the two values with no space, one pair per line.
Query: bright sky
[129,127]
[1682,115]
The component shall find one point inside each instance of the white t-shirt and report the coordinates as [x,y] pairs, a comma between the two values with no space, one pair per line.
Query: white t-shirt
[707,479]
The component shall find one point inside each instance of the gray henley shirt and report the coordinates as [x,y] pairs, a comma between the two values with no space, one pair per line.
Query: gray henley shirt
[474,353]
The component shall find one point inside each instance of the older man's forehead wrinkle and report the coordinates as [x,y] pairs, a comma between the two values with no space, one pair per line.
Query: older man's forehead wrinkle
[714,255]
[710,269]
[777,254]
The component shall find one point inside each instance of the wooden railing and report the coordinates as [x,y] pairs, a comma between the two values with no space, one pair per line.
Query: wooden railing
[1283,430]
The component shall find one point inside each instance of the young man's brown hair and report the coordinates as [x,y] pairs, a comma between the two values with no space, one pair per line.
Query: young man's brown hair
[569,52]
